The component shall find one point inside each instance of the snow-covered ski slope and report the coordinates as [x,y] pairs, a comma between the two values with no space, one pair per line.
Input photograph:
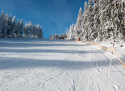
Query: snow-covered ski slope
[58,65]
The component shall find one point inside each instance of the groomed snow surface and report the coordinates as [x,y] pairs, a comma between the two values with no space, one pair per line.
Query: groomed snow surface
[58,65]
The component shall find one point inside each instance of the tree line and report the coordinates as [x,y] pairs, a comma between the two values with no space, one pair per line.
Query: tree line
[9,28]
[102,20]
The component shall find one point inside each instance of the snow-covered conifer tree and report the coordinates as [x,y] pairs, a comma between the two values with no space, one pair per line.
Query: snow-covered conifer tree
[2,24]
[85,22]
[34,31]
[40,33]
[68,34]
[26,30]
[18,29]
[21,28]
[96,19]
[6,25]
[121,14]
[56,36]
[50,37]
[72,33]
[9,32]
[30,29]
[78,27]
[38,30]
[13,26]
[90,20]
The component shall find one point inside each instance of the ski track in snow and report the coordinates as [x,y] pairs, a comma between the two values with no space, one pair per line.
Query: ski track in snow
[57,65]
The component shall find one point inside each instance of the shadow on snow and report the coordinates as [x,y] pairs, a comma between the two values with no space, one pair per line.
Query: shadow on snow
[63,64]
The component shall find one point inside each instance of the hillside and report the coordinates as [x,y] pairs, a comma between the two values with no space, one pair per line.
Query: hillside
[59,65]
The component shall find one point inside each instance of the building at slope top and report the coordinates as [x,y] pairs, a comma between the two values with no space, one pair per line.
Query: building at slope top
[10,28]
[57,36]
[102,20]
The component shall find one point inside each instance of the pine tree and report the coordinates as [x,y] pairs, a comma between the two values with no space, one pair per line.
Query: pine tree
[13,27]
[67,33]
[95,21]
[30,29]
[78,27]
[72,33]
[90,21]
[2,26]
[38,31]
[18,29]
[26,30]
[55,36]
[121,13]
[6,25]
[34,31]
[41,33]
[21,28]
[85,22]
[9,32]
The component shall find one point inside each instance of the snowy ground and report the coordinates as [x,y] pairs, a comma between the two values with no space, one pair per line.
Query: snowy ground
[58,65]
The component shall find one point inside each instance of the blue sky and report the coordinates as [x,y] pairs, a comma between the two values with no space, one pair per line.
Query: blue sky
[54,16]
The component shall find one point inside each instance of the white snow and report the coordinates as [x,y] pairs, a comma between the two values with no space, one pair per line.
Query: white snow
[59,65]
